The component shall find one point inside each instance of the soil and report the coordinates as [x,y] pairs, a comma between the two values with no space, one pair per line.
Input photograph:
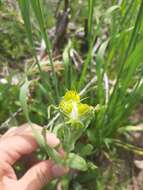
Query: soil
[136,161]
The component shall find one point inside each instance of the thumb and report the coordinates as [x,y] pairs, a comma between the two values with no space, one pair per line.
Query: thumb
[40,175]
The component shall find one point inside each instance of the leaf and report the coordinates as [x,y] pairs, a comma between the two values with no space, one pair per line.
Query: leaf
[24,7]
[24,91]
[112,9]
[131,128]
[66,53]
[102,49]
[127,146]
[74,161]
[23,98]
[86,150]
[91,166]
[100,71]
[67,65]
[39,138]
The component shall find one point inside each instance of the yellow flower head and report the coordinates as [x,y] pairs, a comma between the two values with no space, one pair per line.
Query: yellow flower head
[71,106]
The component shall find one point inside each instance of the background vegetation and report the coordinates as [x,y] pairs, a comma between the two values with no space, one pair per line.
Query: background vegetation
[94,48]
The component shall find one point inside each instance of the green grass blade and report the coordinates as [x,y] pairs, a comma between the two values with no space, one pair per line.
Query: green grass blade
[91,40]
[90,19]
[85,66]
[24,7]
[115,95]
[138,127]
[25,11]
[38,10]
[67,65]
[128,146]
[100,72]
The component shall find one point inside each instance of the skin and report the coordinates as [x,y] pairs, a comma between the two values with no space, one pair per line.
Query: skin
[19,143]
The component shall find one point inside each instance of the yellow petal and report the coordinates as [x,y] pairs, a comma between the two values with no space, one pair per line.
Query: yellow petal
[72,96]
[83,109]
[66,106]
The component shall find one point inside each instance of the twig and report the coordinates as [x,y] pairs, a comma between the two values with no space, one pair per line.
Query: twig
[106,85]
[88,85]
[59,186]
[53,120]
[6,123]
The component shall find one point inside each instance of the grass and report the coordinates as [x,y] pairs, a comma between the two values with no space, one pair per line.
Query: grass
[109,77]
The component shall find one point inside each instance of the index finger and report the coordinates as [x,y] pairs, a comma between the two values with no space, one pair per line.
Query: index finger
[21,141]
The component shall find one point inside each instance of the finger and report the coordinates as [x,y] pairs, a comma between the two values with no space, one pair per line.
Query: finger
[23,129]
[14,146]
[9,132]
[6,169]
[26,129]
[41,174]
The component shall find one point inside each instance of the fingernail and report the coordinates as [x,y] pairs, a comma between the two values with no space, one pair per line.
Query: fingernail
[59,171]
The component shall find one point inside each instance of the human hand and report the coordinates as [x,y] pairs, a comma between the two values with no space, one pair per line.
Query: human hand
[14,145]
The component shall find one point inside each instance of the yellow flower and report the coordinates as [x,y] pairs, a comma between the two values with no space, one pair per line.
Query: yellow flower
[71,96]
[71,106]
